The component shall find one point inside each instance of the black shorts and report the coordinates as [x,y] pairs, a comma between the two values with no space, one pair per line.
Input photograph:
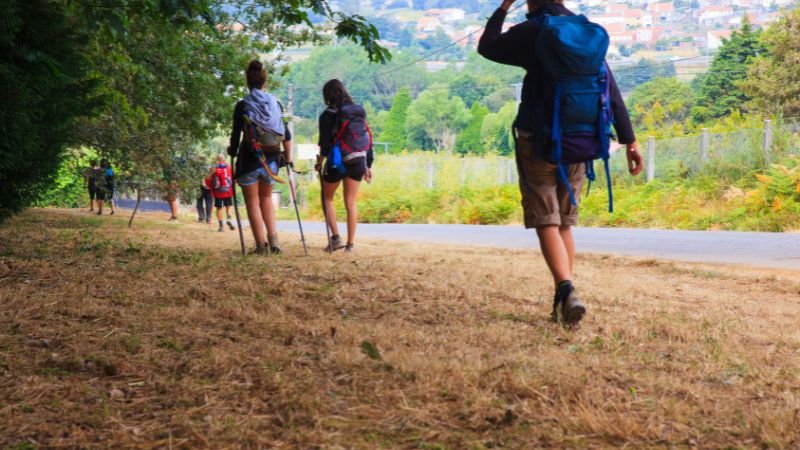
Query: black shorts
[356,171]
[220,202]
[101,194]
[92,192]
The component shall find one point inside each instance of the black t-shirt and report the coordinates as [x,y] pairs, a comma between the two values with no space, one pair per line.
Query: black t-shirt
[247,160]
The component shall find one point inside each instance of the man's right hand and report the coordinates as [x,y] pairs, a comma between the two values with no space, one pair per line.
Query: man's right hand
[634,158]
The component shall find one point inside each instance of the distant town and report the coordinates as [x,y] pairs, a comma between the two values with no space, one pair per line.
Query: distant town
[684,31]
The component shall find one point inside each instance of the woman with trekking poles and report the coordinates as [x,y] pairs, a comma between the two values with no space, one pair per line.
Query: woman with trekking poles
[257,137]
[345,144]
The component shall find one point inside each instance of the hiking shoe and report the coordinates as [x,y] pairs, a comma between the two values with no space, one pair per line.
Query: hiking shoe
[335,243]
[112,213]
[572,310]
[567,306]
[173,219]
[230,225]
[275,250]
[221,228]
[260,250]
[200,220]
[349,248]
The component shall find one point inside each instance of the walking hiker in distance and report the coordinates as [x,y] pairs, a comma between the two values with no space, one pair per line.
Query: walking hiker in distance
[569,100]
[222,189]
[345,144]
[205,198]
[104,186]
[90,182]
[259,117]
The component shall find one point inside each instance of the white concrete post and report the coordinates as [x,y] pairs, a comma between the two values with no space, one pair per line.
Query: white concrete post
[651,158]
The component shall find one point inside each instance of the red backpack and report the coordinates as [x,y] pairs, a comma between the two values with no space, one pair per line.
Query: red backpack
[222,182]
[354,137]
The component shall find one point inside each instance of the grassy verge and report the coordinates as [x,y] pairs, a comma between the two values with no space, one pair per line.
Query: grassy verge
[163,336]
[420,188]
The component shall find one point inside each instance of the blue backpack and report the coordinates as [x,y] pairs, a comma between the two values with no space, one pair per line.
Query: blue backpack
[571,51]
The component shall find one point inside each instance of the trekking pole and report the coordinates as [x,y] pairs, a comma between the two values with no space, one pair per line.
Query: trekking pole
[135,208]
[236,207]
[324,209]
[296,210]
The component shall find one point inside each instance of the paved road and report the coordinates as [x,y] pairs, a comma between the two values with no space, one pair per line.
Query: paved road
[775,250]
[144,205]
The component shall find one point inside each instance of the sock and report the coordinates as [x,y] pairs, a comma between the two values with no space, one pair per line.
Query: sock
[220,223]
[563,289]
[273,240]
[334,237]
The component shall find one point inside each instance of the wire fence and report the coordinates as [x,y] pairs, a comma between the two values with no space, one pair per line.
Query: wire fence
[729,154]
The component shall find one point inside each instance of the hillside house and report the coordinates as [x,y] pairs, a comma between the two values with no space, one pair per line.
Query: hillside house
[662,11]
[447,14]
[714,14]
[714,39]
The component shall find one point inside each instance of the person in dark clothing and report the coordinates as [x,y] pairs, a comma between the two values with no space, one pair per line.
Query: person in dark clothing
[545,201]
[255,180]
[104,187]
[90,182]
[205,199]
[358,167]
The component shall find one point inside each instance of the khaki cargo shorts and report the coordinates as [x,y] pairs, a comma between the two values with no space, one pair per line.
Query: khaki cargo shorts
[545,201]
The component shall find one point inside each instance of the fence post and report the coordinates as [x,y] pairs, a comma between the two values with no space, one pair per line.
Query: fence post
[704,146]
[767,139]
[651,158]
[430,174]
[500,171]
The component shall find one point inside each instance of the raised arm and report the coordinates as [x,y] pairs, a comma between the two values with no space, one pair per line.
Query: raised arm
[504,48]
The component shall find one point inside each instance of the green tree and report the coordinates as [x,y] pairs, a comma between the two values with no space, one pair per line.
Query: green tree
[470,88]
[496,134]
[773,81]
[149,79]
[364,81]
[45,88]
[435,118]
[674,96]
[469,139]
[719,92]
[394,128]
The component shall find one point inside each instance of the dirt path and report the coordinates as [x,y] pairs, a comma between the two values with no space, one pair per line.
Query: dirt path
[162,336]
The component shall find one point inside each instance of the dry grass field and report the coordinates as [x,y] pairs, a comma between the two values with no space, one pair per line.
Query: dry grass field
[163,336]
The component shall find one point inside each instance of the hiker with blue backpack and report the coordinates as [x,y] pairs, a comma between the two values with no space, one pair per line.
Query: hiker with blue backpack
[345,146]
[104,186]
[260,142]
[570,100]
